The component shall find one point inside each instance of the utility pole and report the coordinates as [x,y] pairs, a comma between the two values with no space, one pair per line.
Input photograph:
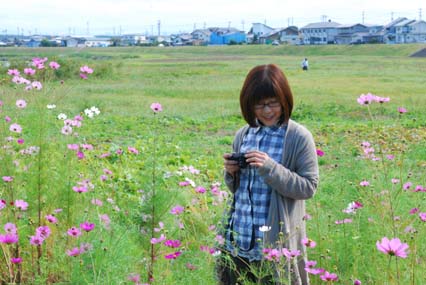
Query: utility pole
[363,17]
[323,18]
[87,28]
[229,24]
[205,25]
[420,14]
[391,16]
[159,27]
[242,23]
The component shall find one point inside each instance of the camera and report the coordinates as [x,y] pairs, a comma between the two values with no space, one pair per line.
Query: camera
[239,157]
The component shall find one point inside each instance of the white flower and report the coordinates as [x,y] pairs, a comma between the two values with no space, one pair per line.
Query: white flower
[264,229]
[95,110]
[51,106]
[62,116]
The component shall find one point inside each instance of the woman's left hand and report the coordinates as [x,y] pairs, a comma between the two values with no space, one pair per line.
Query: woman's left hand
[256,158]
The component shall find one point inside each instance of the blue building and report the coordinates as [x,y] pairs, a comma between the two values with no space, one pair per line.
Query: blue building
[225,36]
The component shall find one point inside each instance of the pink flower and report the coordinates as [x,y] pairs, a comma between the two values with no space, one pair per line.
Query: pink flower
[327,276]
[86,226]
[407,185]
[73,252]
[156,107]
[51,219]
[413,211]
[402,110]
[86,69]
[290,253]
[21,103]
[20,141]
[308,242]
[83,76]
[357,282]
[43,231]
[10,228]
[158,240]
[54,65]
[132,150]
[16,128]
[74,232]
[13,72]
[9,238]
[36,85]
[364,183]
[422,217]
[320,152]
[365,99]
[177,210]
[73,147]
[80,189]
[200,189]
[395,181]
[135,278]
[66,130]
[36,240]
[393,247]
[7,178]
[29,71]
[21,205]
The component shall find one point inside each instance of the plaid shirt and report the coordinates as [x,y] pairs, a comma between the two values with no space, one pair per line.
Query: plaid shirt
[251,200]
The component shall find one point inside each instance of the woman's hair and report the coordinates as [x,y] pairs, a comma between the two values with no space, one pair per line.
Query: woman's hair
[262,82]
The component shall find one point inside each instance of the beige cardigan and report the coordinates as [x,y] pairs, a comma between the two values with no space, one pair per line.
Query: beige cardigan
[292,182]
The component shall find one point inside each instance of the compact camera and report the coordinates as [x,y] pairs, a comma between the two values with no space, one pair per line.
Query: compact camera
[239,157]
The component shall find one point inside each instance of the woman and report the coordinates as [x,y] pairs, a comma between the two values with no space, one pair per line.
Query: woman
[268,193]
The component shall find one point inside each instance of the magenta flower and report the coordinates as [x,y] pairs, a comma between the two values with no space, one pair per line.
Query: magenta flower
[66,130]
[9,238]
[16,260]
[422,217]
[80,189]
[407,185]
[364,183]
[20,141]
[16,128]
[86,226]
[172,243]
[10,228]
[83,76]
[393,247]
[173,255]
[290,253]
[135,278]
[54,65]
[132,150]
[36,85]
[402,110]
[200,189]
[327,276]
[320,152]
[74,232]
[158,240]
[177,210]
[2,204]
[357,282]
[156,107]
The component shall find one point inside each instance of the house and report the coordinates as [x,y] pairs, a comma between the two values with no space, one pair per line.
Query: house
[133,39]
[183,40]
[98,42]
[346,34]
[389,30]
[201,36]
[257,30]
[320,33]
[225,36]
[411,31]
[73,41]
[289,35]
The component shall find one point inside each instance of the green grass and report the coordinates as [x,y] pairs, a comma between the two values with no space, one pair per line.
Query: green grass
[198,88]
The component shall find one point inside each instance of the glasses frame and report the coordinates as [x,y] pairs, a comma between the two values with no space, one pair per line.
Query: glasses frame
[271,105]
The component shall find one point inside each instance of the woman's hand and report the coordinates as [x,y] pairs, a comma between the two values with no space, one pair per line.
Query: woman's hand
[256,158]
[231,166]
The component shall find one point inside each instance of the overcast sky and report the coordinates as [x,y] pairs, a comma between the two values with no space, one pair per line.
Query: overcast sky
[82,17]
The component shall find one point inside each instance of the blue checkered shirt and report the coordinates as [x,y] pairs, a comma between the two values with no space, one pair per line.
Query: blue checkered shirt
[251,200]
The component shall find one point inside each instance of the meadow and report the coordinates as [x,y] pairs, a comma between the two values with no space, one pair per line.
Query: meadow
[134,193]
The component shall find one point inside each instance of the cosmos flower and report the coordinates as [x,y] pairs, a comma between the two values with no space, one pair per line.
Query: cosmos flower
[393,247]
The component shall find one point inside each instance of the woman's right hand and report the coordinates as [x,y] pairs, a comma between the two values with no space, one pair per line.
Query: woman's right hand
[231,166]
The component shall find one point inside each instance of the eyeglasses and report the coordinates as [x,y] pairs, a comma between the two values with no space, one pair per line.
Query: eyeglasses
[272,104]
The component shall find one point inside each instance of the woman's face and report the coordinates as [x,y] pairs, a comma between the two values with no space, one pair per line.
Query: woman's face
[268,111]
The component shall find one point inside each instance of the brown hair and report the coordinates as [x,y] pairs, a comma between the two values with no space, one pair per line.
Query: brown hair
[265,81]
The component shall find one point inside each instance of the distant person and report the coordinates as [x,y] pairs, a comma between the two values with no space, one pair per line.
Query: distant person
[271,171]
[305,64]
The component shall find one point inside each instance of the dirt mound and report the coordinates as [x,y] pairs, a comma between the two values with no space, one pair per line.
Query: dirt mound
[419,53]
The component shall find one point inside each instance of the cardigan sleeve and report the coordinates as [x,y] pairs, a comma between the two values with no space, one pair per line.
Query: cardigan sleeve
[298,177]
[233,182]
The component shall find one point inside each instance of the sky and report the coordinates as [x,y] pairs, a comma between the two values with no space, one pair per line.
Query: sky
[115,17]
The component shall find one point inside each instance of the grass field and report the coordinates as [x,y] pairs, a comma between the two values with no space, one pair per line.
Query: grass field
[198,88]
